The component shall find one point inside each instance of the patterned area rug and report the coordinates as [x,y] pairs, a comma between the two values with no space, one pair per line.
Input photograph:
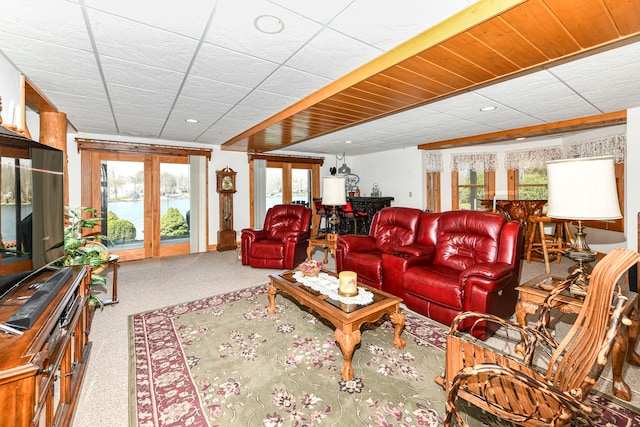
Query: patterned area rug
[223,361]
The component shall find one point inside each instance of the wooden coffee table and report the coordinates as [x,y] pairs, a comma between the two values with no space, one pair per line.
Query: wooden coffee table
[532,297]
[346,318]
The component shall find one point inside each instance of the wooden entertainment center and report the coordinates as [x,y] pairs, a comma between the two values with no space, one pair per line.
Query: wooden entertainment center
[41,371]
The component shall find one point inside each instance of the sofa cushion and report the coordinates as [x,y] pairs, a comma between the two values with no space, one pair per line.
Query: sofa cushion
[435,283]
[284,221]
[395,227]
[268,249]
[466,238]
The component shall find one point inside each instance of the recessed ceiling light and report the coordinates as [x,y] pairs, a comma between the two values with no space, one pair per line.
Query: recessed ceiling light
[348,141]
[490,108]
[268,24]
[191,120]
[520,138]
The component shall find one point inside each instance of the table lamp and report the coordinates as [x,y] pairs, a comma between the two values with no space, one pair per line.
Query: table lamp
[334,194]
[582,189]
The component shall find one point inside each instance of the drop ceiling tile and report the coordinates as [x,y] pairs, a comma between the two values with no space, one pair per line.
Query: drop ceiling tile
[204,111]
[40,55]
[558,109]
[132,101]
[293,83]
[139,126]
[226,66]
[322,12]
[265,104]
[233,28]
[124,73]
[395,22]
[75,85]
[606,61]
[20,17]
[190,21]
[134,42]
[212,90]
[332,54]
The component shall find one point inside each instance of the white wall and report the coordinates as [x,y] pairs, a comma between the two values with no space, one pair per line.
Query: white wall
[398,173]
[9,90]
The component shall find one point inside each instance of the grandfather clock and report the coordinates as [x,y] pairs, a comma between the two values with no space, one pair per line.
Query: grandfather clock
[226,186]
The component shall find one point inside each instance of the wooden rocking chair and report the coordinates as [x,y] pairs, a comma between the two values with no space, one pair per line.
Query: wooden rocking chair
[518,389]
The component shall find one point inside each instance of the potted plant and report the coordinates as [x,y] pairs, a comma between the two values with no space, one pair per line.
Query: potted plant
[82,246]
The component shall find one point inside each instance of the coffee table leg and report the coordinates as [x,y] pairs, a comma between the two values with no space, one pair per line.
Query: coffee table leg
[271,293]
[347,343]
[397,319]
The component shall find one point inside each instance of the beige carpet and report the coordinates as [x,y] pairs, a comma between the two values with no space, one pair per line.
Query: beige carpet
[149,284]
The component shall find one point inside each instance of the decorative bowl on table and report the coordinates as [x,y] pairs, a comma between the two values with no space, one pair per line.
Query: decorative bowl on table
[310,268]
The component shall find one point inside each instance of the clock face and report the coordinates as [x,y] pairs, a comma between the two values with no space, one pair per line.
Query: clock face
[227,183]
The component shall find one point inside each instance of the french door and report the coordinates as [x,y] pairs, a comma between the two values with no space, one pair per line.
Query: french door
[146,201]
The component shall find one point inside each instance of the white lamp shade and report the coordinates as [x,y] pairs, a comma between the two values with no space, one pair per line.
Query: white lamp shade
[334,191]
[583,189]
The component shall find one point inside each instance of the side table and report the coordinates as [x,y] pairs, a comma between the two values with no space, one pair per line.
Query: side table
[327,245]
[113,261]
[532,296]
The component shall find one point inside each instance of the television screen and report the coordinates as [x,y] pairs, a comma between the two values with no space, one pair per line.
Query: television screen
[31,205]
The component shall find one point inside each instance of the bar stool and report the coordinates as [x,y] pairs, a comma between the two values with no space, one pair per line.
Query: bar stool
[355,220]
[547,244]
[324,216]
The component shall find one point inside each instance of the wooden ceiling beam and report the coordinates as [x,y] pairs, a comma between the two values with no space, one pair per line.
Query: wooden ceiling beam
[573,125]
[489,42]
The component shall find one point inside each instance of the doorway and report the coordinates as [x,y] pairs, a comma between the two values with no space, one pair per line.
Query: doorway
[146,201]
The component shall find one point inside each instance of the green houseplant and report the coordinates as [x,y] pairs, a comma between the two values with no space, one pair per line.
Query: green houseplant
[82,246]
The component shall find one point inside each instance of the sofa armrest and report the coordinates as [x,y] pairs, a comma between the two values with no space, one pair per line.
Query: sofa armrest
[295,237]
[254,234]
[490,276]
[356,243]
[490,271]
[413,250]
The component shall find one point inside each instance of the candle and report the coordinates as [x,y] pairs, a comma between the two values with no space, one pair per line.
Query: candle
[348,284]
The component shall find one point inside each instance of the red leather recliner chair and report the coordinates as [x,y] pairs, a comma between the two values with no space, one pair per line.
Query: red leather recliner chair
[390,228]
[282,242]
[475,266]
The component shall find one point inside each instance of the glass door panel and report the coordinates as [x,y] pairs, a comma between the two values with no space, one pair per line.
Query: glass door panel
[273,187]
[122,199]
[175,204]
[301,186]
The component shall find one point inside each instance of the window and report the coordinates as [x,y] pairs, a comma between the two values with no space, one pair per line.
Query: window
[527,172]
[473,179]
[530,183]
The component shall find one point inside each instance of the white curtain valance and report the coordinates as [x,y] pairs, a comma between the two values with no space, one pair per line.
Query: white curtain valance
[433,162]
[477,162]
[531,159]
[612,145]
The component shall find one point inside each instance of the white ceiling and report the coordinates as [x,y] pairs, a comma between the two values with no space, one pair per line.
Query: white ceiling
[141,67]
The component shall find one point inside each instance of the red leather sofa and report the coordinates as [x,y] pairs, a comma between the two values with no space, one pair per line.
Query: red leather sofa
[282,242]
[441,264]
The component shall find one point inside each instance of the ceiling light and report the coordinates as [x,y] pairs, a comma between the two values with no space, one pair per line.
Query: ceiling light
[348,141]
[490,108]
[268,24]
[191,120]
[520,138]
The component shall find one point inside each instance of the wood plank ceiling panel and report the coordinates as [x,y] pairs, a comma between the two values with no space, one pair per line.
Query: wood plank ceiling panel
[486,43]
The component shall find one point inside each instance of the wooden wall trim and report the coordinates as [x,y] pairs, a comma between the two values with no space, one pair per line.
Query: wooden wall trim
[139,148]
[286,158]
